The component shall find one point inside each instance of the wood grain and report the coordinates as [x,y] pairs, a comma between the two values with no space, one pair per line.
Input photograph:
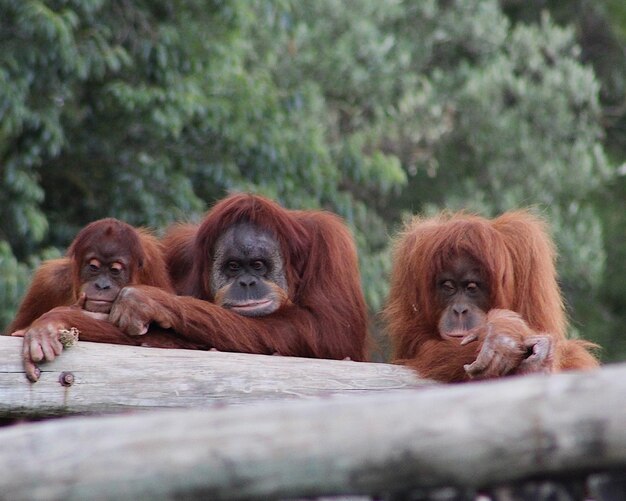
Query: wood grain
[471,435]
[112,378]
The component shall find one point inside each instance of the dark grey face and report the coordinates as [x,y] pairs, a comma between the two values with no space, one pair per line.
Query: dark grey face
[248,272]
[463,293]
[102,275]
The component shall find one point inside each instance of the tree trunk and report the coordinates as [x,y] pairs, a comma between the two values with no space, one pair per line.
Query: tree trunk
[111,378]
[470,435]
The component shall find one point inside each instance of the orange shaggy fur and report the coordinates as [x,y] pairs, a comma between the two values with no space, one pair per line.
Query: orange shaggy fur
[518,258]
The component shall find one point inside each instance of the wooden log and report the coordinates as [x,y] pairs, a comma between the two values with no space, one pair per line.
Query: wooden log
[470,435]
[111,378]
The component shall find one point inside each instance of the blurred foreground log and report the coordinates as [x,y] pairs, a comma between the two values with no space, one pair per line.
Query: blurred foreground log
[110,378]
[471,436]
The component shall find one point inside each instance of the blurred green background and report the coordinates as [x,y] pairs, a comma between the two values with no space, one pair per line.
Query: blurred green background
[149,111]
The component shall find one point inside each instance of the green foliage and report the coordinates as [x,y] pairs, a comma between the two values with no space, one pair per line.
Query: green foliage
[529,124]
[15,276]
[149,111]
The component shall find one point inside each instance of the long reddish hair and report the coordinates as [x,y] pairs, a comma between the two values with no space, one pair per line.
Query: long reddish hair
[515,252]
[320,263]
[57,282]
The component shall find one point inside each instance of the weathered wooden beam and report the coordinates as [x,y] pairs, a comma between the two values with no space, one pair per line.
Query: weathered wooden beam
[470,435]
[110,378]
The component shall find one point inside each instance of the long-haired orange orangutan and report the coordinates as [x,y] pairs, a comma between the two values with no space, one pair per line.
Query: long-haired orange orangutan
[78,291]
[477,298]
[255,277]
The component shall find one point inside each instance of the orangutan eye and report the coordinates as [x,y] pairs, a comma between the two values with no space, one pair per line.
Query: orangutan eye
[94,265]
[233,265]
[448,286]
[116,268]
[258,265]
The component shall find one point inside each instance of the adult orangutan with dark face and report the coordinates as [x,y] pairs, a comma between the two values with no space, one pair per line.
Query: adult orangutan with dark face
[77,291]
[474,298]
[254,277]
